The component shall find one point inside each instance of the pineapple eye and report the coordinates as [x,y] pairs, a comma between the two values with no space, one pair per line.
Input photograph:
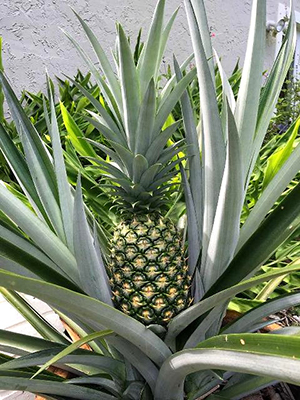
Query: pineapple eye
[125,308]
[134,223]
[154,233]
[141,230]
[162,281]
[162,225]
[190,301]
[160,244]
[148,291]
[164,260]
[120,258]
[140,262]
[180,303]
[136,301]
[152,270]
[119,244]
[176,241]
[139,279]
[118,277]
[116,236]
[172,292]
[167,315]
[127,289]
[127,270]
[124,230]
[131,237]
[178,260]
[149,221]
[168,237]
[171,227]
[131,252]
[116,294]
[147,314]
[171,250]
[152,254]
[159,303]
[143,243]
[170,270]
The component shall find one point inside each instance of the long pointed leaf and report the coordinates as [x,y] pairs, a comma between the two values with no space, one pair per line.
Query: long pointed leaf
[202,22]
[105,64]
[92,272]
[150,58]
[75,134]
[164,39]
[146,120]
[39,232]
[40,179]
[130,88]
[227,89]
[111,124]
[279,157]
[158,144]
[171,82]
[142,363]
[274,230]
[20,169]
[193,231]
[22,122]
[226,227]
[26,246]
[104,130]
[169,103]
[248,98]
[195,167]
[213,140]
[55,388]
[25,343]
[269,196]
[66,199]
[100,81]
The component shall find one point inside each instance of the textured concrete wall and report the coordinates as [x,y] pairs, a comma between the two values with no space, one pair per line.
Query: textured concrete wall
[33,40]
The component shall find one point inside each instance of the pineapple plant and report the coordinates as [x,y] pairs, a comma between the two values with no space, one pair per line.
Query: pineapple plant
[148,342]
[148,272]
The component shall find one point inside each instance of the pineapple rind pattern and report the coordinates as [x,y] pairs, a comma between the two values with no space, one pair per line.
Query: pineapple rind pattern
[149,276]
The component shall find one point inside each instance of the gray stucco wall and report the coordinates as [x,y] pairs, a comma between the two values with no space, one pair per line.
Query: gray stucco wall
[33,40]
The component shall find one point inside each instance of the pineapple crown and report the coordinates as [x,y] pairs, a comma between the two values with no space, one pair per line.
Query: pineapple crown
[132,116]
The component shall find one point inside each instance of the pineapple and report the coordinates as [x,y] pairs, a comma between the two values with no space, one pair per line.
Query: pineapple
[150,280]
[147,268]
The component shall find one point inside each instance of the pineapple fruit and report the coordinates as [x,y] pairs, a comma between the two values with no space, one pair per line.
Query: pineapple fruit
[150,280]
